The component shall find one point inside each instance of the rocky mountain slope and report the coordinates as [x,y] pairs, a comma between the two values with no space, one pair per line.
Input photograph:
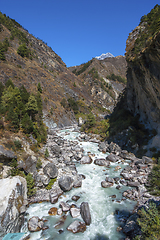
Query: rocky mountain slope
[143,72]
[105,79]
[28,61]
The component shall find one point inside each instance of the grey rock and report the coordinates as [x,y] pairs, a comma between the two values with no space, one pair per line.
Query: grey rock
[41,195]
[113,148]
[147,160]
[55,149]
[126,155]
[75,198]
[109,179]
[50,170]
[77,182]
[38,182]
[131,228]
[116,179]
[77,226]
[12,203]
[112,158]
[35,224]
[123,182]
[6,155]
[118,187]
[126,176]
[86,160]
[29,165]
[54,194]
[59,211]
[102,162]
[102,147]
[133,184]
[65,183]
[105,184]
[45,179]
[75,212]
[65,206]
[85,213]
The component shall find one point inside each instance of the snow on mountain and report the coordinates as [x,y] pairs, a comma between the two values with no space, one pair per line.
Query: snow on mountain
[104,55]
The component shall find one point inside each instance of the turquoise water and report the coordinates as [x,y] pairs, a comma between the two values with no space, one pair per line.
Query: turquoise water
[102,206]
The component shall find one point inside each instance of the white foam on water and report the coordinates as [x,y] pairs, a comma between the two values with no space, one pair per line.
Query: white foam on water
[102,206]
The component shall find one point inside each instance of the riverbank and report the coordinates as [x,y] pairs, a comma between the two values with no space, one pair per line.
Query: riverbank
[134,175]
[115,175]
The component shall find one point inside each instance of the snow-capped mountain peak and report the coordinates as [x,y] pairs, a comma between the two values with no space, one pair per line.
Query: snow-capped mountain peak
[104,55]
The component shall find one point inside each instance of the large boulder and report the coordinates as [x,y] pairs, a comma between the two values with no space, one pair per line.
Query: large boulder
[105,184]
[112,158]
[65,206]
[6,155]
[77,226]
[13,200]
[113,148]
[147,160]
[55,149]
[29,165]
[102,162]
[41,195]
[102,146]
[54,194]
[77,181]
[65,183]
[85,213]
[131,228]
[50,170]
[35,224]
[75,212]
[86,160]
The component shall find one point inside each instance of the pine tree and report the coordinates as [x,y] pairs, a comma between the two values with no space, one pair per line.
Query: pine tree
[27,124]
[31,106]
[39,88]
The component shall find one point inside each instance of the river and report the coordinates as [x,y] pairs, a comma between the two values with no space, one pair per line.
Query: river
[107,211]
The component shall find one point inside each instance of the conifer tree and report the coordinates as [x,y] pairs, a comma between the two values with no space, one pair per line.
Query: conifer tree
[31,106]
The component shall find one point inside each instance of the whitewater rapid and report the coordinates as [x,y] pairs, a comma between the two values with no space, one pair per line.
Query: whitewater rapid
[107,213]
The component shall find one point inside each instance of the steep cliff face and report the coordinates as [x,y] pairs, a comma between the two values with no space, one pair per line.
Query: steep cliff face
[143,71]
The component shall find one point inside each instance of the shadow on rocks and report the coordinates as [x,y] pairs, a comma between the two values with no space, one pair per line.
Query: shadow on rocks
[100,237]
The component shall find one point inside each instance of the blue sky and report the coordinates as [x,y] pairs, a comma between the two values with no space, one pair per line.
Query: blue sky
[78,30]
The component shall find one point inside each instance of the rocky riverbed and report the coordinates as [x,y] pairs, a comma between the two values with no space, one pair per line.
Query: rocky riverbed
[60,165]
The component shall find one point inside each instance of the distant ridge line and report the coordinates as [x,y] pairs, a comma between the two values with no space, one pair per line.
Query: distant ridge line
[104,55]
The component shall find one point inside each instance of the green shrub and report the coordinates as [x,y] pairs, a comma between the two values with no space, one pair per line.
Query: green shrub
[46,154]
[9,83]
[116,78]
[39,88]
[3,48]
[151,22]
[149,221]
[22,110]
[73,105]
[64,103]
[39,164]
[14,171]
[23,51]
[153,183]
[27,124]
[30,185]
[83,68]
[52,181]
[17,144]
